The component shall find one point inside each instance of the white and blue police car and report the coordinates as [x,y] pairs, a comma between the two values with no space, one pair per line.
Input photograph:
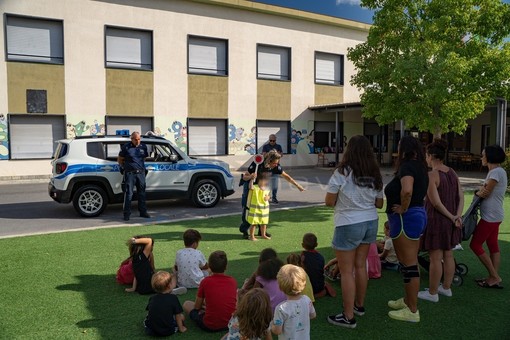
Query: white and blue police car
[86,172]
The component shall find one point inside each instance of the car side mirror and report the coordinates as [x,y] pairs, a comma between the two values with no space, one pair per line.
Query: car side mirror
[174,158]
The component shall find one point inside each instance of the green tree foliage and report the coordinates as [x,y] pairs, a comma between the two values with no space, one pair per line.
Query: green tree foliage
[433,63]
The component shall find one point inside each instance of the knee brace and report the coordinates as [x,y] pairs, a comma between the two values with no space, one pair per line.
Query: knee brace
[409,272]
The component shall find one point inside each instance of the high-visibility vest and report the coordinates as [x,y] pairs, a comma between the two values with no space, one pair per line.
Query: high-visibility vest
[258,208]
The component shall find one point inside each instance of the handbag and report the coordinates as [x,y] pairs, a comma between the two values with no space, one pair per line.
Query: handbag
[470,218]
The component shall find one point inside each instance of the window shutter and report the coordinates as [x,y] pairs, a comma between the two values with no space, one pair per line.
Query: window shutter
[278,128]
[327,68]
[207,56]
[128,48]
[273,62]
[206,137]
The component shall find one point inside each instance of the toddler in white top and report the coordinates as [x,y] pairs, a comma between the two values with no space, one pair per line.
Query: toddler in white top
[190,264]
[292,317]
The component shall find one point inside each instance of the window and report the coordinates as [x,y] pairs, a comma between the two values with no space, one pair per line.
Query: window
[328,68]
[34,40]
[207,137]
[325,136]
[139,124]
[34,136]
[207,56]
[273,62]
[271,127]
[128,48]
[377,135]
[460,142]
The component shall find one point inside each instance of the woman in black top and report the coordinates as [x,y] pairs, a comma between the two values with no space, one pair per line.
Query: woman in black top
[407,217]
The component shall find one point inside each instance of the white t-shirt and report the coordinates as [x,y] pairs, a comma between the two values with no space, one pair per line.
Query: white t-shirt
[354,204]
[294,315]
[491,209]
[188,262]
[392,256]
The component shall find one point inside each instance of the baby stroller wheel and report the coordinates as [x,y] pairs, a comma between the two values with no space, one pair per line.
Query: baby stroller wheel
[461,269]
[457,280]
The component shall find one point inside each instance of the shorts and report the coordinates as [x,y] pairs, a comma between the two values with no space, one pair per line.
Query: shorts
[412,223]
[349,237]
[198,316]
[174,329]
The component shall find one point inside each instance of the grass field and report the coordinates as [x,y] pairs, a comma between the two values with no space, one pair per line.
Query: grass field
[62,286]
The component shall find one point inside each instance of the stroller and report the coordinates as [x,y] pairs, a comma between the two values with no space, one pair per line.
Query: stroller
[461,269]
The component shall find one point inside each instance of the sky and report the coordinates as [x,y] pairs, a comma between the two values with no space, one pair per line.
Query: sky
[346,9]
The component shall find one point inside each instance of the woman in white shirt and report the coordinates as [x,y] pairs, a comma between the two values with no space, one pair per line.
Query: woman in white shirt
[355,190]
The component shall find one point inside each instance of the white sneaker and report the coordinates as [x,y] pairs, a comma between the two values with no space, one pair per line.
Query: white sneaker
[445,292]
[179,290]
[425,295]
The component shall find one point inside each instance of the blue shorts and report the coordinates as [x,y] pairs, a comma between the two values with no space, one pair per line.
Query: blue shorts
[349,237]
[412,223]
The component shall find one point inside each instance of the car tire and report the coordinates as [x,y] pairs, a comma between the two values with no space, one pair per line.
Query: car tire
[90,201]
[206,193]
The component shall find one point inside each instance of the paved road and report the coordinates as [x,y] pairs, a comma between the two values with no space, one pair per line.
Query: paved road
[26,208]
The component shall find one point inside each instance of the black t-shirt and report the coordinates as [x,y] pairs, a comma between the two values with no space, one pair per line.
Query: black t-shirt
[277,170]
[392,191]
[313,262]
[162,310]
[143,273]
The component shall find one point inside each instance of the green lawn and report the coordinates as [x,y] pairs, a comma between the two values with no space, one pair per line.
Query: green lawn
[63,285]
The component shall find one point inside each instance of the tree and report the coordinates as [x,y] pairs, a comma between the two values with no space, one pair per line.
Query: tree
[433,63]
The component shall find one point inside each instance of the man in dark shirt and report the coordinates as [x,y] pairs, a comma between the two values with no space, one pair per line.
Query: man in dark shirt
[271,145]
[132,163]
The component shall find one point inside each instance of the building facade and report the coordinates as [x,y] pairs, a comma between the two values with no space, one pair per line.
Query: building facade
[214,76]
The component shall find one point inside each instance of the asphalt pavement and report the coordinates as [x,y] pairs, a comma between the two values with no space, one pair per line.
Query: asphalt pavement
[26,208]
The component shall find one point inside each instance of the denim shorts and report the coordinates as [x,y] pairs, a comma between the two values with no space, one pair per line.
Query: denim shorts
[349,237]
[412,223]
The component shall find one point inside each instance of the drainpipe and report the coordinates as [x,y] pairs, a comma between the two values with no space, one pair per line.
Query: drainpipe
[501,122]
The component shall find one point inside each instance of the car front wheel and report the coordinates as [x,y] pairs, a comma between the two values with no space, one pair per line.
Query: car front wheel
[89,201]
[206,193]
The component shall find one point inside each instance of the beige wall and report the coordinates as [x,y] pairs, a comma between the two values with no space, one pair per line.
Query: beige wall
[23,76]
[129,93]
[207,96]
[91,91]
[273,100]
[327,94]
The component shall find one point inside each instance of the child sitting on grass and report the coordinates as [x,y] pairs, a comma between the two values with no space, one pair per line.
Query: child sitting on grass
[164,315]
[258,206]
[313,263]
[292,317]
[266,279]
[265,254]
[216,297]
[295,259]
[252,317]
[388,256]
[190,264]
[140,248]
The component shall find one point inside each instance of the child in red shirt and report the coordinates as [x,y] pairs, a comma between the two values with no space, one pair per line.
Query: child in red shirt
[218,292]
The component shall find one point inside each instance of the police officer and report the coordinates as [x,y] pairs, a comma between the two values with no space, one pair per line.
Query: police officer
[132,164]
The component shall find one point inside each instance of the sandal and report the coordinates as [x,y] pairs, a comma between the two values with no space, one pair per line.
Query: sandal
[484,284]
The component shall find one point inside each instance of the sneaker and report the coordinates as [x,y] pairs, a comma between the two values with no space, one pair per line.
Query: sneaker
[397,304]
[341,320]
[445,292]
[405,314]
[359,311]
[145,215]
[179,290]
[275,201]
[425,295]
[126,217]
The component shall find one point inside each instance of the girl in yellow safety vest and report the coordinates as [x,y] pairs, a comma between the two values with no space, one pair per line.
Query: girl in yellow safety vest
[258,206]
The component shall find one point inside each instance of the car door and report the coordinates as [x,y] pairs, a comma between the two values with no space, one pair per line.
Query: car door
[167,171]
[107,166]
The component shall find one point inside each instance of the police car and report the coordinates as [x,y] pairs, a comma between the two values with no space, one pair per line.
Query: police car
[86,172]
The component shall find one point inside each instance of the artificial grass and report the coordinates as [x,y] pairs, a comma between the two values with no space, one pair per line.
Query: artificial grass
[63,285]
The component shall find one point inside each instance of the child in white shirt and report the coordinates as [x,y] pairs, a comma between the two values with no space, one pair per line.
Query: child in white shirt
[292,317]
[190,264]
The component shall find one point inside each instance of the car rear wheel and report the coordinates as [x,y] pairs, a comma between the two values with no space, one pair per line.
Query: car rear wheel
[90,201]
[206,193]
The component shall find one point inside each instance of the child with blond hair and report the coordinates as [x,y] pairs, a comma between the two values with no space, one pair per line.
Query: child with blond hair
[292,317]
[295,259]
[164,315]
